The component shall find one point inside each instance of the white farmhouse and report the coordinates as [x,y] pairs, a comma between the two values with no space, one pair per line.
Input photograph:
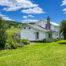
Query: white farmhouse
[40,30]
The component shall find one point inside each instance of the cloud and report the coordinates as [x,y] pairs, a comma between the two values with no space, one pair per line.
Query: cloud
[5,17]
[29,20]
[64,9]
[13,5]
[25,17]
[64,12]
[35,10]
[31,16]
[63,3]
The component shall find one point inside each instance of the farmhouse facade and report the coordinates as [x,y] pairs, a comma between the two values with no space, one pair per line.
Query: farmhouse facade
[42,29]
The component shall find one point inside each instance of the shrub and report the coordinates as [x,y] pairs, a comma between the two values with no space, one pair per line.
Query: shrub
[11,44]
[12,41]
[24,41]
[55,40]
[59,38]
[62,42]
[48,40]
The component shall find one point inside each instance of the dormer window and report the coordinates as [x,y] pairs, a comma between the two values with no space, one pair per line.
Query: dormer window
[24,27]
[29,27]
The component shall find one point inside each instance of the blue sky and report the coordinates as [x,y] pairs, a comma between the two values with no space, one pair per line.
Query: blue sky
[33,10]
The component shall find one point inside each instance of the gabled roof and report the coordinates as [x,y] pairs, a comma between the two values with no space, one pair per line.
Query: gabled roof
[39,28]
[52,23]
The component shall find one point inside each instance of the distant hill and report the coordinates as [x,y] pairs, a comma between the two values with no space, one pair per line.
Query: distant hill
[15,24]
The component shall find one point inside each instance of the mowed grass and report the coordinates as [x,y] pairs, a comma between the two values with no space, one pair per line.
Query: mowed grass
[39,54]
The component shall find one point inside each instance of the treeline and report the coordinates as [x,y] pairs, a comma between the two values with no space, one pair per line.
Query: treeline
[13,23]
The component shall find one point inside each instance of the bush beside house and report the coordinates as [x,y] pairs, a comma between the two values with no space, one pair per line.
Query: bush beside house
[62,42]
[13,39]
[25,41]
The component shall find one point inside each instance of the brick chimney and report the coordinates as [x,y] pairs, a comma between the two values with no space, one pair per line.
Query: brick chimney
[48,23]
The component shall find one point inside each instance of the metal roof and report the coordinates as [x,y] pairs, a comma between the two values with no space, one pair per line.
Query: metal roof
[39,28]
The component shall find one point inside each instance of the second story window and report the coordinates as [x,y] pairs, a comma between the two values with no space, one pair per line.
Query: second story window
[29,27]
[24,27]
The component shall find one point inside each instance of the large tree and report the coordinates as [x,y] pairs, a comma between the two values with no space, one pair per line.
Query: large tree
[63,28]
[2,33]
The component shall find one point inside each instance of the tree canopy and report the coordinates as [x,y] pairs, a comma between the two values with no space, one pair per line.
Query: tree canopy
[63,28]
[3,35]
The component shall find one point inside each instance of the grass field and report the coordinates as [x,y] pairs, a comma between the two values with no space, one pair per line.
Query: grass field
[39,54]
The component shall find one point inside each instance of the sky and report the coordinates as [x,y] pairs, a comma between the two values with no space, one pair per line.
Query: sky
[33,10]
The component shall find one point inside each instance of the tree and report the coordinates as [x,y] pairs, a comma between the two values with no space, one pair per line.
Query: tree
[2,33]
[12,41]
[63,28]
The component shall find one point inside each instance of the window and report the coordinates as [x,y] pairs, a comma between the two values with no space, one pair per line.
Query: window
[29,27]
[56,33]
[24,27]
[37,35]
[49,35]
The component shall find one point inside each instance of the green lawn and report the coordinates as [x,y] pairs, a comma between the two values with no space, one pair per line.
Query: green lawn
[39,54]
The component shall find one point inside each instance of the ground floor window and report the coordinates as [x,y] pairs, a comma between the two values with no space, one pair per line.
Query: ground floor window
[50,35]
[56,33]
[37,35]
